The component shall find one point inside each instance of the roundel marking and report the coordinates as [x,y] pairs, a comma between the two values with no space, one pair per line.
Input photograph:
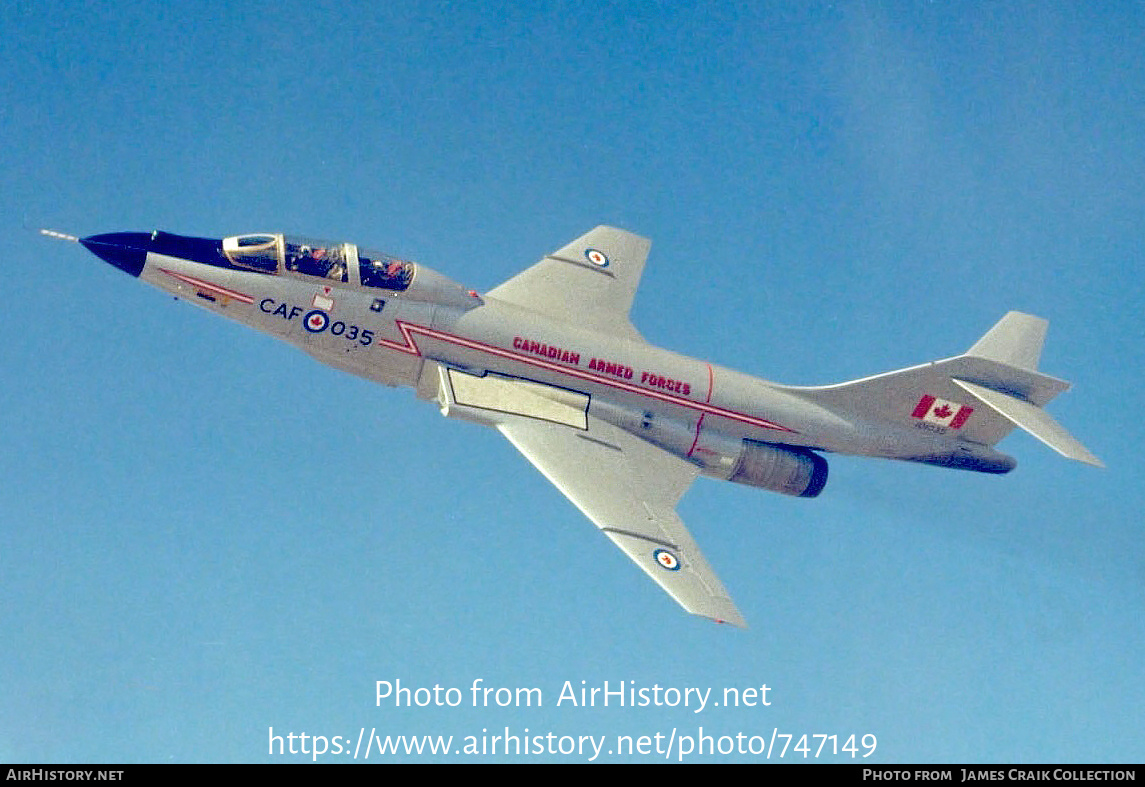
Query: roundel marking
[316,321]
[596,257]
[666,559]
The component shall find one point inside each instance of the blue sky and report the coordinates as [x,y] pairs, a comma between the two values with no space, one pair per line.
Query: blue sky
[204,534]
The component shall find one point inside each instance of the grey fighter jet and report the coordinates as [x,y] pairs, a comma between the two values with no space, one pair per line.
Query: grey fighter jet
[622,428]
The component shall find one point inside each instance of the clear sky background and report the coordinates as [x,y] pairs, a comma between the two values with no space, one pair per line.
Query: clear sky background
[205,534]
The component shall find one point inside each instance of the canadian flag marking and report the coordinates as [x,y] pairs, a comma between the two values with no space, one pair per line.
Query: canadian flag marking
[940,412]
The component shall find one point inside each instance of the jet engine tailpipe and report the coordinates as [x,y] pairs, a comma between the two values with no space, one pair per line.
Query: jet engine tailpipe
[791,471]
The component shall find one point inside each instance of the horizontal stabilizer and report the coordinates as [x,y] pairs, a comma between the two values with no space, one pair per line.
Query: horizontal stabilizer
[1031,418]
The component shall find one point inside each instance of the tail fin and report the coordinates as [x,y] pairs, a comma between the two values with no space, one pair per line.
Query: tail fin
[979,396]
[1016,340]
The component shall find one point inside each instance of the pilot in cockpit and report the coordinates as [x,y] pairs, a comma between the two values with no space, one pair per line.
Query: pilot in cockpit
[316,262]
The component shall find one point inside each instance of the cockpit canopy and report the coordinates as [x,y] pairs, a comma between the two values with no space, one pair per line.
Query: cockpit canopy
[335,262]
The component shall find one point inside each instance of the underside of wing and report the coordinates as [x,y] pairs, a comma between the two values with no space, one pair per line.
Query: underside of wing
[629,489]
[590,282]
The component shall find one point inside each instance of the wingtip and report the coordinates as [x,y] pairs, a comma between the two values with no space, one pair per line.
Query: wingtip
[735,624]
[734,619]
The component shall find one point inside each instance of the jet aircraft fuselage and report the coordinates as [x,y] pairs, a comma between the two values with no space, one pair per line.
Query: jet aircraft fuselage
[552,361]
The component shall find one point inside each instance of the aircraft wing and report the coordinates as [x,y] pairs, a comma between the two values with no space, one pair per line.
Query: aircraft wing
[590,282]
[629,489]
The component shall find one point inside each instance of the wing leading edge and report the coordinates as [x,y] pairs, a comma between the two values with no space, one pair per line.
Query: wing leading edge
[629,489]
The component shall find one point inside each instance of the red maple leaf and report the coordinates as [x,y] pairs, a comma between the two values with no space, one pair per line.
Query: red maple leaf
[942,412]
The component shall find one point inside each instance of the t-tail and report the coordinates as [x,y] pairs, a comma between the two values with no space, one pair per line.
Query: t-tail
[965,404]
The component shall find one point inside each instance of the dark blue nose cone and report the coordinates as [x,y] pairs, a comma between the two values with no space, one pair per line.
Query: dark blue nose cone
[125,250]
